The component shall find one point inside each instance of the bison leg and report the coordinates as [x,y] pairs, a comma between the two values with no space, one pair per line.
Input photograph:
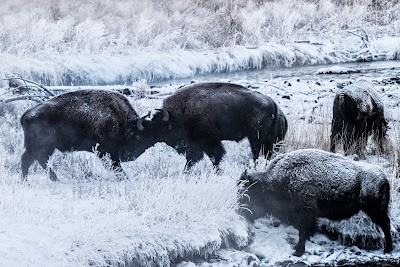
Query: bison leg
[377,210]
[380,136]
[193,155]
[215,152]
[26,161]
[42,158]
[115,163]
[118,168]
[307,227]
[28,158]
[384,223]
[265,148]
[336,129]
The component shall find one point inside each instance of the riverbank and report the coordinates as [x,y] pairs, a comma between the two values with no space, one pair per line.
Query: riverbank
[152,66]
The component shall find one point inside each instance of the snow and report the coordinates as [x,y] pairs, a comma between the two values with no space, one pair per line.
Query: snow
[162,216]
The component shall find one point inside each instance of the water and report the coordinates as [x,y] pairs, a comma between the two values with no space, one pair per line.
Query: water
[364,69]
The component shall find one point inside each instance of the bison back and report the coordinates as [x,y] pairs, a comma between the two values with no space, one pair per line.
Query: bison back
[220,109]
[76,117]
[323,176]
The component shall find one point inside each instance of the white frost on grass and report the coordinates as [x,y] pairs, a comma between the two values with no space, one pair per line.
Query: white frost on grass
[142,221]
[103,68]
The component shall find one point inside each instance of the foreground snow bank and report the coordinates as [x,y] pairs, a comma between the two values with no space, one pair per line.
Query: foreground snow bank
[141,222]
[101,69]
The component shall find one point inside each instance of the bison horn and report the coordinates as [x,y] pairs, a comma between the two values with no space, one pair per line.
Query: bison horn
[165,114]
[139,123]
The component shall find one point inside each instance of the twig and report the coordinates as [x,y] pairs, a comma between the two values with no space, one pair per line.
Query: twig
[35,98]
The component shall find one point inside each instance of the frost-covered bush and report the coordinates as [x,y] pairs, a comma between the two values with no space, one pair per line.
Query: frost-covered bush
[116,27]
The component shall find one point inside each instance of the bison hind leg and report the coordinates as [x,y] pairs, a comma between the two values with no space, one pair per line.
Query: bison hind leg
[27,159]
[377,209]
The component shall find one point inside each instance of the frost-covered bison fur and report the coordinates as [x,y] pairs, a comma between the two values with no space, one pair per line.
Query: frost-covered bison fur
[300,186]
[357,114]
[196,118]
[78,121]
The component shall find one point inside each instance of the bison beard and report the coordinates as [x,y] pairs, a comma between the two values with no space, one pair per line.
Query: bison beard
[200,116]
[357,114]
[78,121]
[300,186]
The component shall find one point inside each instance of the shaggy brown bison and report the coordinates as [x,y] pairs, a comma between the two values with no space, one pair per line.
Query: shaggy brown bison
[78,121]
[195,120]
[300,186]
[357,114]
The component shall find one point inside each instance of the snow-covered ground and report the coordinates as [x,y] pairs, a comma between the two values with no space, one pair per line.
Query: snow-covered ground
[162,216]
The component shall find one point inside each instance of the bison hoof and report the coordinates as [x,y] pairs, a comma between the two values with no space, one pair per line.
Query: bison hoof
[298,253]
[299,250]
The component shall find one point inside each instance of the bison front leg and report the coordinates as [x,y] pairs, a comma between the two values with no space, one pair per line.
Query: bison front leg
[193,155]
[377,210]
[307,227]
[215,152]
[258,147]
[336,132]
[380,136]
[116,165]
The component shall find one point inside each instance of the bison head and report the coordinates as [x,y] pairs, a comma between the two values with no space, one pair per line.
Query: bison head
[147,132]
[356,107]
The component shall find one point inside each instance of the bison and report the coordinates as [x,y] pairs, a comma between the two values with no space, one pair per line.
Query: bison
[78,121]
[357,114]
[195,119]
[300,186]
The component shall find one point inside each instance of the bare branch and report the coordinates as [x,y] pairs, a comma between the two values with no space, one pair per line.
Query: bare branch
[35,98]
